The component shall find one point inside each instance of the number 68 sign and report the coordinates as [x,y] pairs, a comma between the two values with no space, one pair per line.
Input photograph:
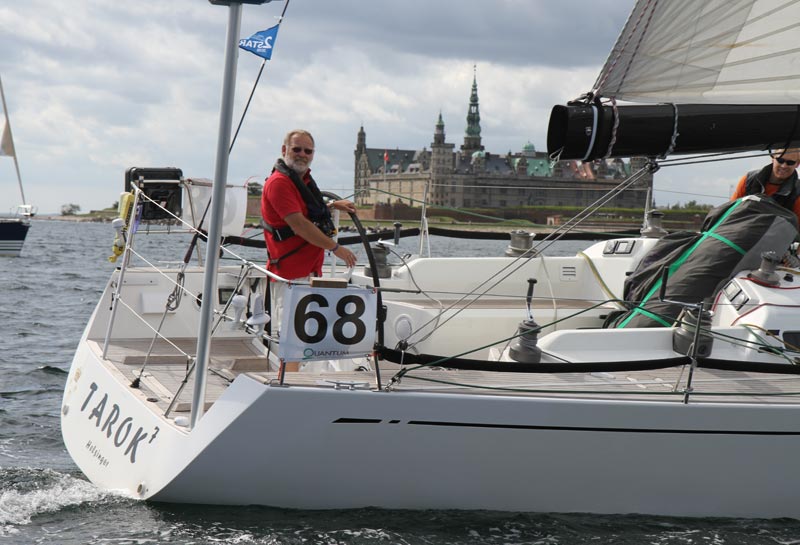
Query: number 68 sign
[327,323]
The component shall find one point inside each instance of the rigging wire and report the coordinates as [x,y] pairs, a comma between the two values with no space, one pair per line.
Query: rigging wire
[421,291]
[759,343]
[522,260]
[714,158]
[444,359]
[637,392]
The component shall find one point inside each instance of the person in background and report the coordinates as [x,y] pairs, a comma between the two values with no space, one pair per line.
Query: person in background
[777,180]
[298,226]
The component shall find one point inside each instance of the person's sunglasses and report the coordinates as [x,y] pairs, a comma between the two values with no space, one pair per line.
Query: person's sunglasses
[786,162]
[298,149]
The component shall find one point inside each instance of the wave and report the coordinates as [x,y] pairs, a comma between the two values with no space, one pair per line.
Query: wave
[18,286]
[36,491]
[50,370]
[11,394]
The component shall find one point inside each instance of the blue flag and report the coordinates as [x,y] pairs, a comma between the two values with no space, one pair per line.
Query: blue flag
[261,43]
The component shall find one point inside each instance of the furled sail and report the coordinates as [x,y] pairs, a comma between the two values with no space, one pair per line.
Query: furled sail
[705,59]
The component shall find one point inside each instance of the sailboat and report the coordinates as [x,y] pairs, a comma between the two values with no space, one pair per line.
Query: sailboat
[14,229]
[617,380]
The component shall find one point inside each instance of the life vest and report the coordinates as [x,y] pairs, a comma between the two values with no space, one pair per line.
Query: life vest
[318,212]
[756,183]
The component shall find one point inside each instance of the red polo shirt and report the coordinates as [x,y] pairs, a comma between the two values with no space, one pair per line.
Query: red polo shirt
[279,199]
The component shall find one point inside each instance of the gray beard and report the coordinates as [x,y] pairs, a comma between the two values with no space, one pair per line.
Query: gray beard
[300,169]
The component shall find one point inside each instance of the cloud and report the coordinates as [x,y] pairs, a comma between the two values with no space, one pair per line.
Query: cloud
[95,87]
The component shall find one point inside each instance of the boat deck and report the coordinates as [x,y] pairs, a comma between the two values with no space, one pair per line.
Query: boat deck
[167,368]
[501,302]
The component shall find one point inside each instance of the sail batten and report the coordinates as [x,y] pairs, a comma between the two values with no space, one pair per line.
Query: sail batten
[706,52]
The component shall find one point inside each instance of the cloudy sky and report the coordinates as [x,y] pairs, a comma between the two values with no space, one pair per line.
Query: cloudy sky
[94,87]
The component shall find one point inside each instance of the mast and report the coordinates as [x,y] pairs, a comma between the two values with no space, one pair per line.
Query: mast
[11,139]
[217,202]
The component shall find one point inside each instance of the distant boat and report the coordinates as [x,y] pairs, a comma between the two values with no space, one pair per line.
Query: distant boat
[13,230]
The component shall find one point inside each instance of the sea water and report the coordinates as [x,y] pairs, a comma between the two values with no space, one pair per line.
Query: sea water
[46,298]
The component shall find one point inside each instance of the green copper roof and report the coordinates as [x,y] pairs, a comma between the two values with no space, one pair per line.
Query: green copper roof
[539,167]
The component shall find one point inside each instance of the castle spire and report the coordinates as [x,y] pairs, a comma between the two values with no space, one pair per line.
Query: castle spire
[361,140]
[472,136]
[438,133]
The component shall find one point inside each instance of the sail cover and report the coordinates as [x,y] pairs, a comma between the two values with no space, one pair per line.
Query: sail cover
[706,52]
[733,238]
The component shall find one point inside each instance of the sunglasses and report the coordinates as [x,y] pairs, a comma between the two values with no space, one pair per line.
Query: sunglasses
[786,162]
[308,151]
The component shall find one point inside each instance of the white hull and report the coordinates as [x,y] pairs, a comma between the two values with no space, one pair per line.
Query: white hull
[322,448]
[311,445]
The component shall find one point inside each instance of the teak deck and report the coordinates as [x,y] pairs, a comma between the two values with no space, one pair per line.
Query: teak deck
[167,369]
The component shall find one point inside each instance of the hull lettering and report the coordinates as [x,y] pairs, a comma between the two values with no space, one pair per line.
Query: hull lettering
[121,436]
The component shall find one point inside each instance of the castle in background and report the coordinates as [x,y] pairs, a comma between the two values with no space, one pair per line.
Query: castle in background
[474,178]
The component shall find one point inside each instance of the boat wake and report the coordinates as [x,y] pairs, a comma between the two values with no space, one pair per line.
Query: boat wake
[28,492]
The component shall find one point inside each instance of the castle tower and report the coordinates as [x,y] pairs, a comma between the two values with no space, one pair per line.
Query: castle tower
[361,141]
[472,136]
[441,151]
[361,168]
[438,133]
[441,162]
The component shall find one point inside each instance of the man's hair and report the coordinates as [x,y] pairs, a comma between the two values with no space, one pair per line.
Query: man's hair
[294,132]
[782,152]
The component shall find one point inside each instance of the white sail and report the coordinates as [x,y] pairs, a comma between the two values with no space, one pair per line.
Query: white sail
[706,52]
[6,143]
[7,149]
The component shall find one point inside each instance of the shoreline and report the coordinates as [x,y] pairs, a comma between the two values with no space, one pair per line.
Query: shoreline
[388,225]
[624,228]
